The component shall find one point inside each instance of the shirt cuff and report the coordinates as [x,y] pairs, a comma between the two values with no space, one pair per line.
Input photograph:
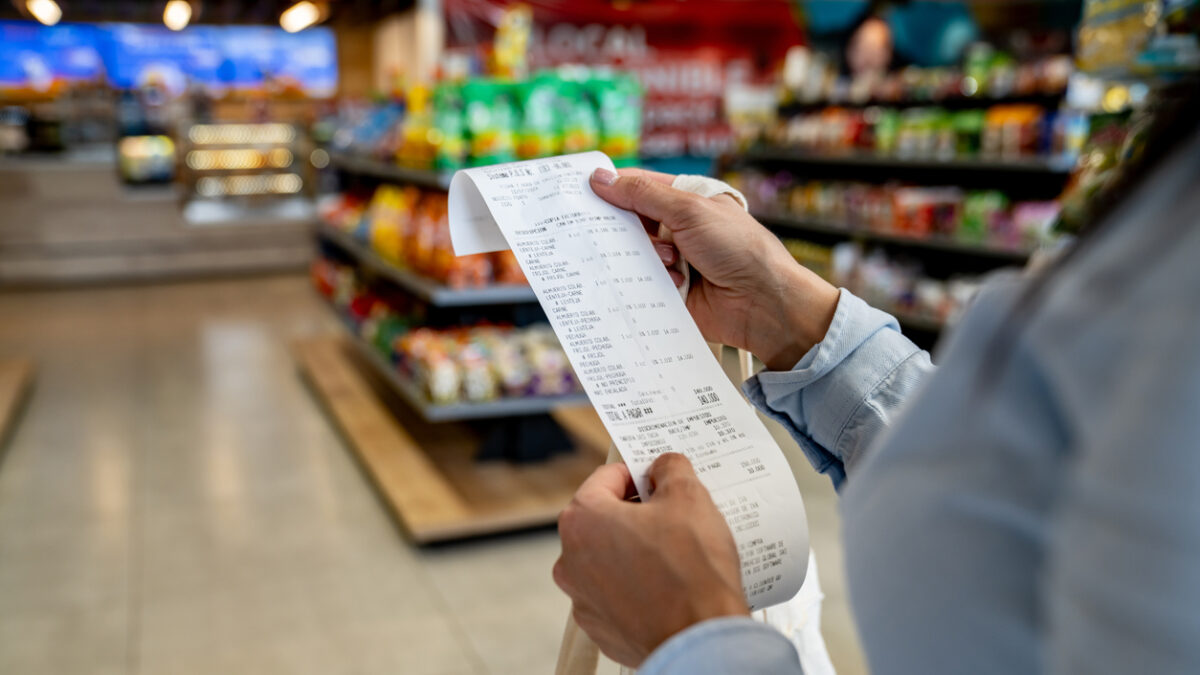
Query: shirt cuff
[817,398]
[725,645]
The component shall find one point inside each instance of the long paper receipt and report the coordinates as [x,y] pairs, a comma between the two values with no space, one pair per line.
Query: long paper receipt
[637,351]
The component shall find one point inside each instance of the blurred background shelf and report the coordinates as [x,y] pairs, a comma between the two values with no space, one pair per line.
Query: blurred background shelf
[423,287]
[428,474]
[1056,166]
[1049,100]
[376,168]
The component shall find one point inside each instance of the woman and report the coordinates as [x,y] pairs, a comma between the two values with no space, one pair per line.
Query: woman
[1031,506]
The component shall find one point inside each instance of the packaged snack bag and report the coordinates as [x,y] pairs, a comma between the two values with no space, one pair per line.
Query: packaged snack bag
[447,134]
[580,124]
[489,122]
[538,131]
[423,234]
[618,101]
[506,269]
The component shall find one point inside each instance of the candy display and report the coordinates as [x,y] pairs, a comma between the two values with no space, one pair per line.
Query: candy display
[474,364]
[895,286]
[409,228]
[982,217]
[487,120]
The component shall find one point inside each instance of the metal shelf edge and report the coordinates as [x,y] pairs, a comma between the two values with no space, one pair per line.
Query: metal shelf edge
[833,229]
[380,169]
[426,289]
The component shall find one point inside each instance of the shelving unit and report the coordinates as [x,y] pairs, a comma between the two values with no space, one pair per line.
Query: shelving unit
[447,471]
[803,226]
[429,474]
[1025,178]
[377,168]
[457,412]
[1047,100]
[422,287]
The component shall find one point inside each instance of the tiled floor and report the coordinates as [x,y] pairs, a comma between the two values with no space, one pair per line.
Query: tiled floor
[173,501]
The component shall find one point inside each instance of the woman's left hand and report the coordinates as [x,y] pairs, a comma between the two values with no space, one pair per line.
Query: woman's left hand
[639,573]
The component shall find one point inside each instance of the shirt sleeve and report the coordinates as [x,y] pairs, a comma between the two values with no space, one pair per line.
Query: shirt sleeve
[846,390]
[726,645]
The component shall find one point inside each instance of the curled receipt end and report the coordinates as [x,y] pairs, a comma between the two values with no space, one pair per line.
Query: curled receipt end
[636,350]
[472,227]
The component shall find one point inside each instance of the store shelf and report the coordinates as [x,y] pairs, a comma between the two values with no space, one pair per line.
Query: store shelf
[368,166]
[422,287]
[429,475]
[1031,165]
[805,226]
[450,412]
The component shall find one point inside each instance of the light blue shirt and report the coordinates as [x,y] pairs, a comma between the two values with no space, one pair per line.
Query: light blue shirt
[1040,516]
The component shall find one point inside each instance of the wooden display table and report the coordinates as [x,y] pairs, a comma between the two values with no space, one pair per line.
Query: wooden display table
[16,376]
[428,472]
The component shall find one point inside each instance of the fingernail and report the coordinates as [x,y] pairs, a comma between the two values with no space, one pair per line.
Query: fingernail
[666,252]
[604,176]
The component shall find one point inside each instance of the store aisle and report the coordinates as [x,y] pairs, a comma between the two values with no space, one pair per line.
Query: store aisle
[173,501]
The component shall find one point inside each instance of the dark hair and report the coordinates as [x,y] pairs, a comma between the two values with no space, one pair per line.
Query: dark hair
[874,11]
[1176,118]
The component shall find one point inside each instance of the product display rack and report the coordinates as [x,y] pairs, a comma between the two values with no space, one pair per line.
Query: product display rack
[243,160]
[1038,177]
[429,475]
[422,287]
[454,470]
[454,412]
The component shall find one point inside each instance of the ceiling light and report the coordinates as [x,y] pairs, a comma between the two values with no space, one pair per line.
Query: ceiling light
[299,16]
[46,11]
[177,14]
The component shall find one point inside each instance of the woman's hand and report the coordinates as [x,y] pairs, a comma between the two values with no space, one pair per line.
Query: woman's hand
[751,294]
[639,573]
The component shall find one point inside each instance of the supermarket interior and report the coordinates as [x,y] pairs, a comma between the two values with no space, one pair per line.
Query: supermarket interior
[256,416]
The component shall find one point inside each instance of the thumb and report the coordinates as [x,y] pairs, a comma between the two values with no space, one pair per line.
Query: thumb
[609,482]
[671,472]
[643,195]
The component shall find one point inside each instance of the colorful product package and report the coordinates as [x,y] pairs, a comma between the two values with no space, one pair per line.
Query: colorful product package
[538,132]
[618,101]
[489,122]
[448,135]
[581,125]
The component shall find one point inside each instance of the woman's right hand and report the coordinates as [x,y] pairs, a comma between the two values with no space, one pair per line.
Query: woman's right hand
[750,293]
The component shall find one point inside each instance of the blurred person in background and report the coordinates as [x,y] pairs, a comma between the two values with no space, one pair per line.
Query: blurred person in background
[877,36]
[1031,505]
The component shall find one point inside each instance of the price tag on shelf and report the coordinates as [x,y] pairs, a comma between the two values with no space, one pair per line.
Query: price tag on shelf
[637,351]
